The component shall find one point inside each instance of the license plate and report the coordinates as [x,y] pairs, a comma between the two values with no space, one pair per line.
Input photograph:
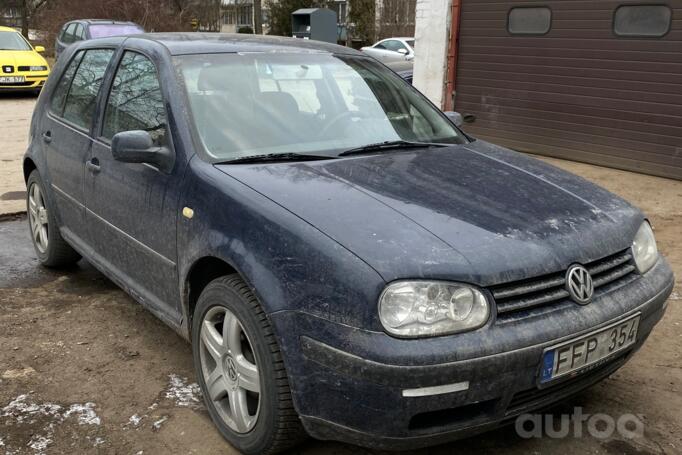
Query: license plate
[11,79]
[580,353]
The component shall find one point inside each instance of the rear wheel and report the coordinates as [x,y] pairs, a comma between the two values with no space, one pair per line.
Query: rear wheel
[240,370]
[51,249]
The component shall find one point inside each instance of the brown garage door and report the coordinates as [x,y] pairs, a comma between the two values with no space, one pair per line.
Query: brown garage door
[593,81]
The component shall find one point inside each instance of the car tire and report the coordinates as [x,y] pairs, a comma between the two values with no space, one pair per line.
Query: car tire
[231,336]
[51,249]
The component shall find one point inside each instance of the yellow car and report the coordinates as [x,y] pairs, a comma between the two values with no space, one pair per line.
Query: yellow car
[21,66]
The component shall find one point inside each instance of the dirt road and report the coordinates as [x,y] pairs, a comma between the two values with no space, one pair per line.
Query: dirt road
[15,119]
[83,369]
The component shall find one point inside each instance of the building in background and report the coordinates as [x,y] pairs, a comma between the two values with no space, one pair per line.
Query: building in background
[597,82]
[237,16]
[10,14]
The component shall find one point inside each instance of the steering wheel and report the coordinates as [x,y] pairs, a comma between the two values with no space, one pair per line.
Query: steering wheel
[336,119]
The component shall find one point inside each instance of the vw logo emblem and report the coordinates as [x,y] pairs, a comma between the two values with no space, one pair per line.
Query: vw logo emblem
[579,284]
[231,369]
[7,69]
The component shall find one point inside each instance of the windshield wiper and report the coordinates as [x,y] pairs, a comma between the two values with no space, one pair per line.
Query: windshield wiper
[273,157]
[389,145]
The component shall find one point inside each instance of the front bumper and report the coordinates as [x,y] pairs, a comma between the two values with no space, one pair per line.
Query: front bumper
[348,383]
[32,81]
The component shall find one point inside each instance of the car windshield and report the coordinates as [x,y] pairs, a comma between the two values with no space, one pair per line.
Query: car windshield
[305,103]
[104,30]
[13,41]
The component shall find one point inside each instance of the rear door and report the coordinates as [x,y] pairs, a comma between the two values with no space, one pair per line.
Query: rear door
[132,208]
[66,134]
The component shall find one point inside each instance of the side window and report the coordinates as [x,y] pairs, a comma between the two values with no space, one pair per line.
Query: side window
[79,35]
[135,101]
[80,102]
[59,94]
[394,45]
[529,20]
[69,34]
[381,45]
[652,21]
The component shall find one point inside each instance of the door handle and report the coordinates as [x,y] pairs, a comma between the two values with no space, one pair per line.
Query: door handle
[47,136]
[92,165]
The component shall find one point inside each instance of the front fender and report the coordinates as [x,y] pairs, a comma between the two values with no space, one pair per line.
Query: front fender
[290,265]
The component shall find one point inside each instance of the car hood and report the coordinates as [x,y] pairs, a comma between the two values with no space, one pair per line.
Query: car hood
[475,212]
[21,58]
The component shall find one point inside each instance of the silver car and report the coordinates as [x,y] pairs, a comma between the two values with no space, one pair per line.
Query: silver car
[392,49]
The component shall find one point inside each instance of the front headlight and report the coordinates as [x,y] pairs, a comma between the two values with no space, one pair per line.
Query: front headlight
[430,308]
[38,68]
[644,248]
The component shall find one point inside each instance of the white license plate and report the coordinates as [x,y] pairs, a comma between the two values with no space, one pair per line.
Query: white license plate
[11,79]
[578,354]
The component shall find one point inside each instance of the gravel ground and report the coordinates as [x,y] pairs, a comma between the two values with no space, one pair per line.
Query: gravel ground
[84,369]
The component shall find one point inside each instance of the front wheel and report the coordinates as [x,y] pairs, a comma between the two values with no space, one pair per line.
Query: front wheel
[240,370]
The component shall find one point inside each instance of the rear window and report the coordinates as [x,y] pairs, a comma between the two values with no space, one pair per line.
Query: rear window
[104,30]
[642,20]
[529,21]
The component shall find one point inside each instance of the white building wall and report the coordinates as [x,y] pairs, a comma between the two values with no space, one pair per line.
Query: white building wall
[431,33]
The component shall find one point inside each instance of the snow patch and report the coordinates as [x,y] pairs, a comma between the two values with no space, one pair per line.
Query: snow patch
[184,394]
[85,412]
[135,420]
[157,425]
[23,410]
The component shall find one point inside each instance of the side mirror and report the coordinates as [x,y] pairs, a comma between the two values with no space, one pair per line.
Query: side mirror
[39,49]
[455,117]
[403,51]
[138,147]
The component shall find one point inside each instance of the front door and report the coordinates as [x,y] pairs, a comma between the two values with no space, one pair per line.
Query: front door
[132,208]
[65,135]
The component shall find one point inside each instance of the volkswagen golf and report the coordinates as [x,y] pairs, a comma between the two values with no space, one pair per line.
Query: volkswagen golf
[345,261]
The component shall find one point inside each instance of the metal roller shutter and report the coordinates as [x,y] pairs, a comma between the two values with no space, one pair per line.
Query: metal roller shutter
[579,91]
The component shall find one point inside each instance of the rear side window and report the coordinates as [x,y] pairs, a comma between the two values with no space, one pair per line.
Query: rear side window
[135,101]
[529,20]
[642,20]
[79,107]
[80,33]
[69,34]
[59,95]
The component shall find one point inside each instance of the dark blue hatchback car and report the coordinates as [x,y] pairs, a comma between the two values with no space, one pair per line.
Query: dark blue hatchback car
[346,262]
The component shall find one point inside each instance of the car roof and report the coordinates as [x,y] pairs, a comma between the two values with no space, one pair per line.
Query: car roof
[206,43]
[8,29]
[102,21]
[404,38]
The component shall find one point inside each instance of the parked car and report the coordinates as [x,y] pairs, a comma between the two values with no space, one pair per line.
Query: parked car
[391,49]
[21,65]
[346,262]
[85,29]
[404,69]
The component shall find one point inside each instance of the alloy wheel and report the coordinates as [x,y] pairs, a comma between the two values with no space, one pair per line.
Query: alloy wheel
[230,369]
[38,220]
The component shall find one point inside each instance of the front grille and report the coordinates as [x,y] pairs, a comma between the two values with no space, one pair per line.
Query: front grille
[519,297]
[24,68]
[537,398]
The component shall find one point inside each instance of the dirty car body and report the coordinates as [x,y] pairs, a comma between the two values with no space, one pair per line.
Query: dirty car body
[325,243]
